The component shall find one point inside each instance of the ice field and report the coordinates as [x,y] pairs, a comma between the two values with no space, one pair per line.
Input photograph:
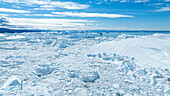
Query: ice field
[84,63]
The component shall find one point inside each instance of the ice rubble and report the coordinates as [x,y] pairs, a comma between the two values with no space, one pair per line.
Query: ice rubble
[43,69]
[86,76]
[44,64]
[124,36]
[11,84]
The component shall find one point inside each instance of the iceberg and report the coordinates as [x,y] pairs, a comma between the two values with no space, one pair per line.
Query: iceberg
[43,69]
[12,83]
[89,76]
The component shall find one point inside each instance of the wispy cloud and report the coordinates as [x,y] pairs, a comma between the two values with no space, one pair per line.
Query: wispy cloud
[42,15]
[83,14]
[139,1]
[122,1]
[3,15]
[167,0]
[47,6]
[43,8]
[13,10]
[163,9]
[46,23]
[67,5]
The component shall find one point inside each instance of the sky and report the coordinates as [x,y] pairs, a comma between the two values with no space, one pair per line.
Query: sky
[85,14]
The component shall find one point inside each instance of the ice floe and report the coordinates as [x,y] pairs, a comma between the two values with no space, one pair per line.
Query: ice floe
[43,69]
[12,83]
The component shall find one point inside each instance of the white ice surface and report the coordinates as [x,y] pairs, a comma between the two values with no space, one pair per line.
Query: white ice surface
[15,37]
[51,64]
[149,51]
[2,35]
[12,81]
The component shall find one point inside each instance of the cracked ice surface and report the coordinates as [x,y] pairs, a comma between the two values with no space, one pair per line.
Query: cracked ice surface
[80,64]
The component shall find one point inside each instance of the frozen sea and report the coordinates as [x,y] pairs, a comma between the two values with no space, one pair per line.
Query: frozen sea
[85,63]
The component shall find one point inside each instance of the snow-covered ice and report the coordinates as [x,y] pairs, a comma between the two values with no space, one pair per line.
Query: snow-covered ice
[2,35]
[15,37]
[149,51]
[74,64]
[11,83]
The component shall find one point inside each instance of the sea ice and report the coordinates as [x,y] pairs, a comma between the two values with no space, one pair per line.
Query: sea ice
[15,37]
[12,83]
[73,74]
[149,51]
[167,92]
[43,69]
[89,76]
[52,65]
[91,55]
[124,36]
[4,63]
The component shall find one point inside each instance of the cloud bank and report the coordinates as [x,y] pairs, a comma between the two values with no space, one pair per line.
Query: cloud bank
[66,5]
[45,24]
[83,14]
[13,10]
[163,9]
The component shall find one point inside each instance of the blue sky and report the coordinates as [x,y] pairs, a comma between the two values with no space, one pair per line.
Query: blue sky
[86,14]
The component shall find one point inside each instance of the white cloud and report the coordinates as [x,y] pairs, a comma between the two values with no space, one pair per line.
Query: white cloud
[46,23]
[83,14]
[67,5]
[139,1]
[112,1]
[3,15]
[47,6]
[43,9]
[44,15]
[163,9]
[13,10]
